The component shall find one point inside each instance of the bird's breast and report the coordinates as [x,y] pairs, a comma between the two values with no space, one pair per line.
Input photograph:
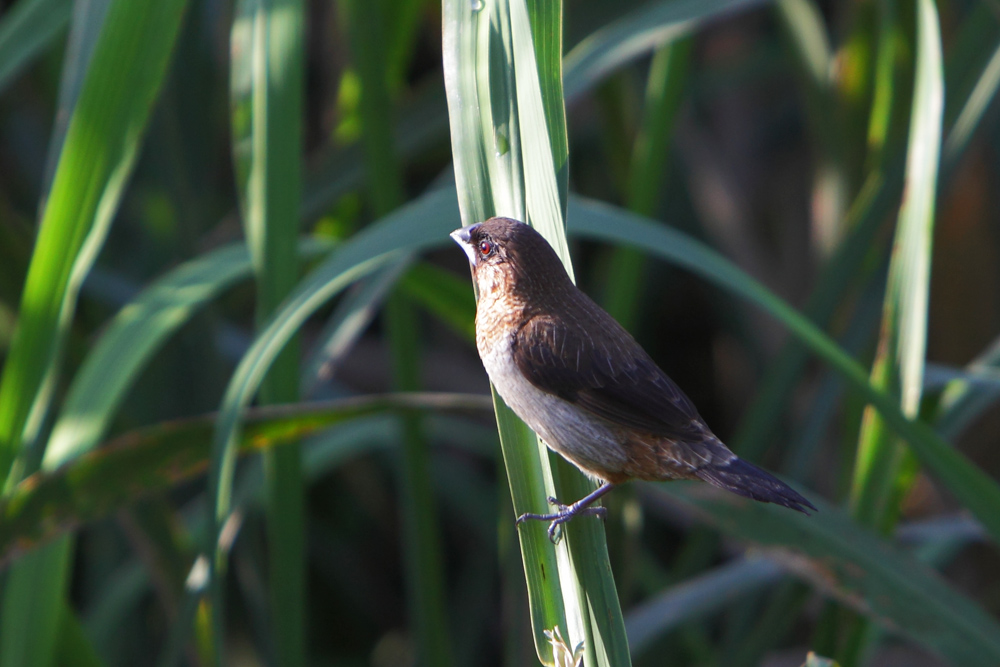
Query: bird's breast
[588,441]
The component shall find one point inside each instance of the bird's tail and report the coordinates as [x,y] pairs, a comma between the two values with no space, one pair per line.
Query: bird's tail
[748,480]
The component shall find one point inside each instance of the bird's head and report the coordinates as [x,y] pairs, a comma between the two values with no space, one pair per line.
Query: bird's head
[511,255]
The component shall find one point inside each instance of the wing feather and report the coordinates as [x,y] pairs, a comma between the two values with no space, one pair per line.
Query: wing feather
[608,375]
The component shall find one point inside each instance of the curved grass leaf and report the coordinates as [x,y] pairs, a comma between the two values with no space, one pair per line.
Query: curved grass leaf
[350,319]
[267,40]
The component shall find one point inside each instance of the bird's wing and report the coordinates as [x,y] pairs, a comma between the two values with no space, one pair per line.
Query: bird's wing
[600,368]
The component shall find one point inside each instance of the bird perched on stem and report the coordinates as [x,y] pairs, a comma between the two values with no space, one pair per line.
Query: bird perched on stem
[583,384]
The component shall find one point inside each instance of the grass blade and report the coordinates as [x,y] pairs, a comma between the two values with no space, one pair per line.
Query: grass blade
[962,402]
[100,149]
[900,360]
[349,320]
[267,96]
[972,111]
[668,75]
[510,157]
[88,19]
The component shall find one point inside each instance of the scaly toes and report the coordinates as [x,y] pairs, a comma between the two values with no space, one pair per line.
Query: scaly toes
[598,511]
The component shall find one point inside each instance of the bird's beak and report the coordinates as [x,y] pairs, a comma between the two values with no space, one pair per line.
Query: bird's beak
[462,237]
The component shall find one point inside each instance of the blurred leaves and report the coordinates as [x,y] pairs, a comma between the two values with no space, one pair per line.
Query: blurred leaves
[96,158]
[845,560]
[28,29]
[142,463]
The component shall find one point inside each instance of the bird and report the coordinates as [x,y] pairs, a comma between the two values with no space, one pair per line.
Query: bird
[584,385]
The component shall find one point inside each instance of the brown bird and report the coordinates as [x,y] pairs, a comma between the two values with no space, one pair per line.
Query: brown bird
[583,384]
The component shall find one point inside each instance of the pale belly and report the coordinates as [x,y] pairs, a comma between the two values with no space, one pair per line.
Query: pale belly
[591,443]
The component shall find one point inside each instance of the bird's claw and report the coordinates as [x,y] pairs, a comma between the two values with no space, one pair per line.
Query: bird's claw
[562,514]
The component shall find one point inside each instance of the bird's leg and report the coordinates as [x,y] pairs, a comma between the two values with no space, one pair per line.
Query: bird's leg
[566,512]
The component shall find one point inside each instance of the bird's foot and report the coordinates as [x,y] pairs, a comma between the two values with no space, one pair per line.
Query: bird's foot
[563,514]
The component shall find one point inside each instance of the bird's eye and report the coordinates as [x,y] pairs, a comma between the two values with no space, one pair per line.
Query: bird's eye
[485,248]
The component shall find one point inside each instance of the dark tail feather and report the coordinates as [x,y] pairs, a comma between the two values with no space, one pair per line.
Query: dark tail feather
[748,480]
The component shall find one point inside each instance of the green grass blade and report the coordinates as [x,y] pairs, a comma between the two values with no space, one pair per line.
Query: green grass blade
[460,39]
[899,364]
[100,149]
[547,38]
[510,159]
[972,111]
[885,95]
[423,547]
[347,323]
[835,554]
[88,19]
[668,76]
[803,27]
[119,598]
[33,599]
[73,647]
[482,149]
[27,30]
[267,98]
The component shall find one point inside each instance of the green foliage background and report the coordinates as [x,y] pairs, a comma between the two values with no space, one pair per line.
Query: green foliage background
[242,420]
